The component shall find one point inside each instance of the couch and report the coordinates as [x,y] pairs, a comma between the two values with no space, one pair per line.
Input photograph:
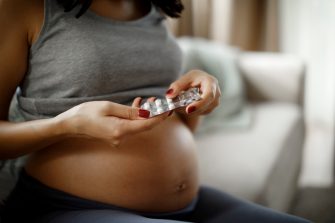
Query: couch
[252,146]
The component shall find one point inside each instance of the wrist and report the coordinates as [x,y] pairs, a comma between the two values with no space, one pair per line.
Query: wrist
[63,127]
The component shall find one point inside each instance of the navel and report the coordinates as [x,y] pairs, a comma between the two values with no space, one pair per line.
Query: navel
[181,187]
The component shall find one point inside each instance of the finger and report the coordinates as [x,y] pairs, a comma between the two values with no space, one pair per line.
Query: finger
[170,113]
[209,95]
[115,144]
[198,107]
[151,99]
[137,102]
[179,85]
[125,112]
[147,112]
[135,126]
[181,110]
[204,110]
[211,107]
[218,91]
[208,111]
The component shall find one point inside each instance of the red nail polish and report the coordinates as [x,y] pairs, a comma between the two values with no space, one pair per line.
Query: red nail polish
[191,109]
[144,113]
[170,91]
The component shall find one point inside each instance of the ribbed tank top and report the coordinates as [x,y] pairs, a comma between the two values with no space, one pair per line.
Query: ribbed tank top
[96,58]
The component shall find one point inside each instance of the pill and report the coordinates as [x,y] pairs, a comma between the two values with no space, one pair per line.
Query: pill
[167,104]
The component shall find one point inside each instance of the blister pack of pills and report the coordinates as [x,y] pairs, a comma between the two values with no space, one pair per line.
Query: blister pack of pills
[161,105]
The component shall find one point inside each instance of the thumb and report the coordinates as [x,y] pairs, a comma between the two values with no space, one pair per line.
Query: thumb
[126,112]
[179,85]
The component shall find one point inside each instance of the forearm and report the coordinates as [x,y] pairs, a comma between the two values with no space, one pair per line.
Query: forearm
[18,139]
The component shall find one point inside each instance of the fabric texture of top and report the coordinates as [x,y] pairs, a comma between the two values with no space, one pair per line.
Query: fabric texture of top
[96,58]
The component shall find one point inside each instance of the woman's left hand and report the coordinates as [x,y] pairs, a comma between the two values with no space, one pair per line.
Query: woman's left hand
[209,88]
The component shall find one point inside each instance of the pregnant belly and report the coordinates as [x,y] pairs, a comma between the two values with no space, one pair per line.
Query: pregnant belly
[152,171]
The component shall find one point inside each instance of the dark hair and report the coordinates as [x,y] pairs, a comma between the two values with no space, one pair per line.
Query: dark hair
[172,8]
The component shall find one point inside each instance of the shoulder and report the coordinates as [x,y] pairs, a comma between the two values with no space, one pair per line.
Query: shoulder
[21,16]
[17,11]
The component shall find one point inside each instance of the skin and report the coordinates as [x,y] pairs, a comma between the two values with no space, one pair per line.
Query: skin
[102,150]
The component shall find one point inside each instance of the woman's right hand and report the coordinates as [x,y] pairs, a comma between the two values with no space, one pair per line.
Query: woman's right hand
[107,121]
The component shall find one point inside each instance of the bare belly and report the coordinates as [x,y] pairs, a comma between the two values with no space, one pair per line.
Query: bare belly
[152,171]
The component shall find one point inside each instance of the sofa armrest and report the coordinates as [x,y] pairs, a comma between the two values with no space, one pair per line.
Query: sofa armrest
[272,76]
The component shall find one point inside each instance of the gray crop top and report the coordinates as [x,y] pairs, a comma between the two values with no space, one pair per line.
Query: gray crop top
[96,58]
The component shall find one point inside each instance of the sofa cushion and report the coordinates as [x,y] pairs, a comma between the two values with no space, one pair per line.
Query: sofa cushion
[273,76]
[261,163]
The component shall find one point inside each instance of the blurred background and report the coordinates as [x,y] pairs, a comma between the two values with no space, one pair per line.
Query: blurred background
[272,140]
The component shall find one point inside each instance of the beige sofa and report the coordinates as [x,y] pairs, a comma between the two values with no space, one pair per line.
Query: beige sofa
[260,159]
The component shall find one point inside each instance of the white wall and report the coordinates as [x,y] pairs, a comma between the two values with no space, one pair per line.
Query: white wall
[308,30]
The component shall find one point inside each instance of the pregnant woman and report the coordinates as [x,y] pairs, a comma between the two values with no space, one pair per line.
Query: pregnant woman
[82,69]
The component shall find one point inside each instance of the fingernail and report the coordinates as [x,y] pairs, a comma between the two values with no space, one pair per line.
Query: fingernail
[170,113]
[144,113]
[170,91]
[191,109]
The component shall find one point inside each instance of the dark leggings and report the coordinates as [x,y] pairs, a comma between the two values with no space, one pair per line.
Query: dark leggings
[31,201]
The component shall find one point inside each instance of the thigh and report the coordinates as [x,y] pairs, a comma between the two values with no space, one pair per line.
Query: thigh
[216,207]
[99,216]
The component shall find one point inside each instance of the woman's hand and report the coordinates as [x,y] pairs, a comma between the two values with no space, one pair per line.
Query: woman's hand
[107,121]
[209,88]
